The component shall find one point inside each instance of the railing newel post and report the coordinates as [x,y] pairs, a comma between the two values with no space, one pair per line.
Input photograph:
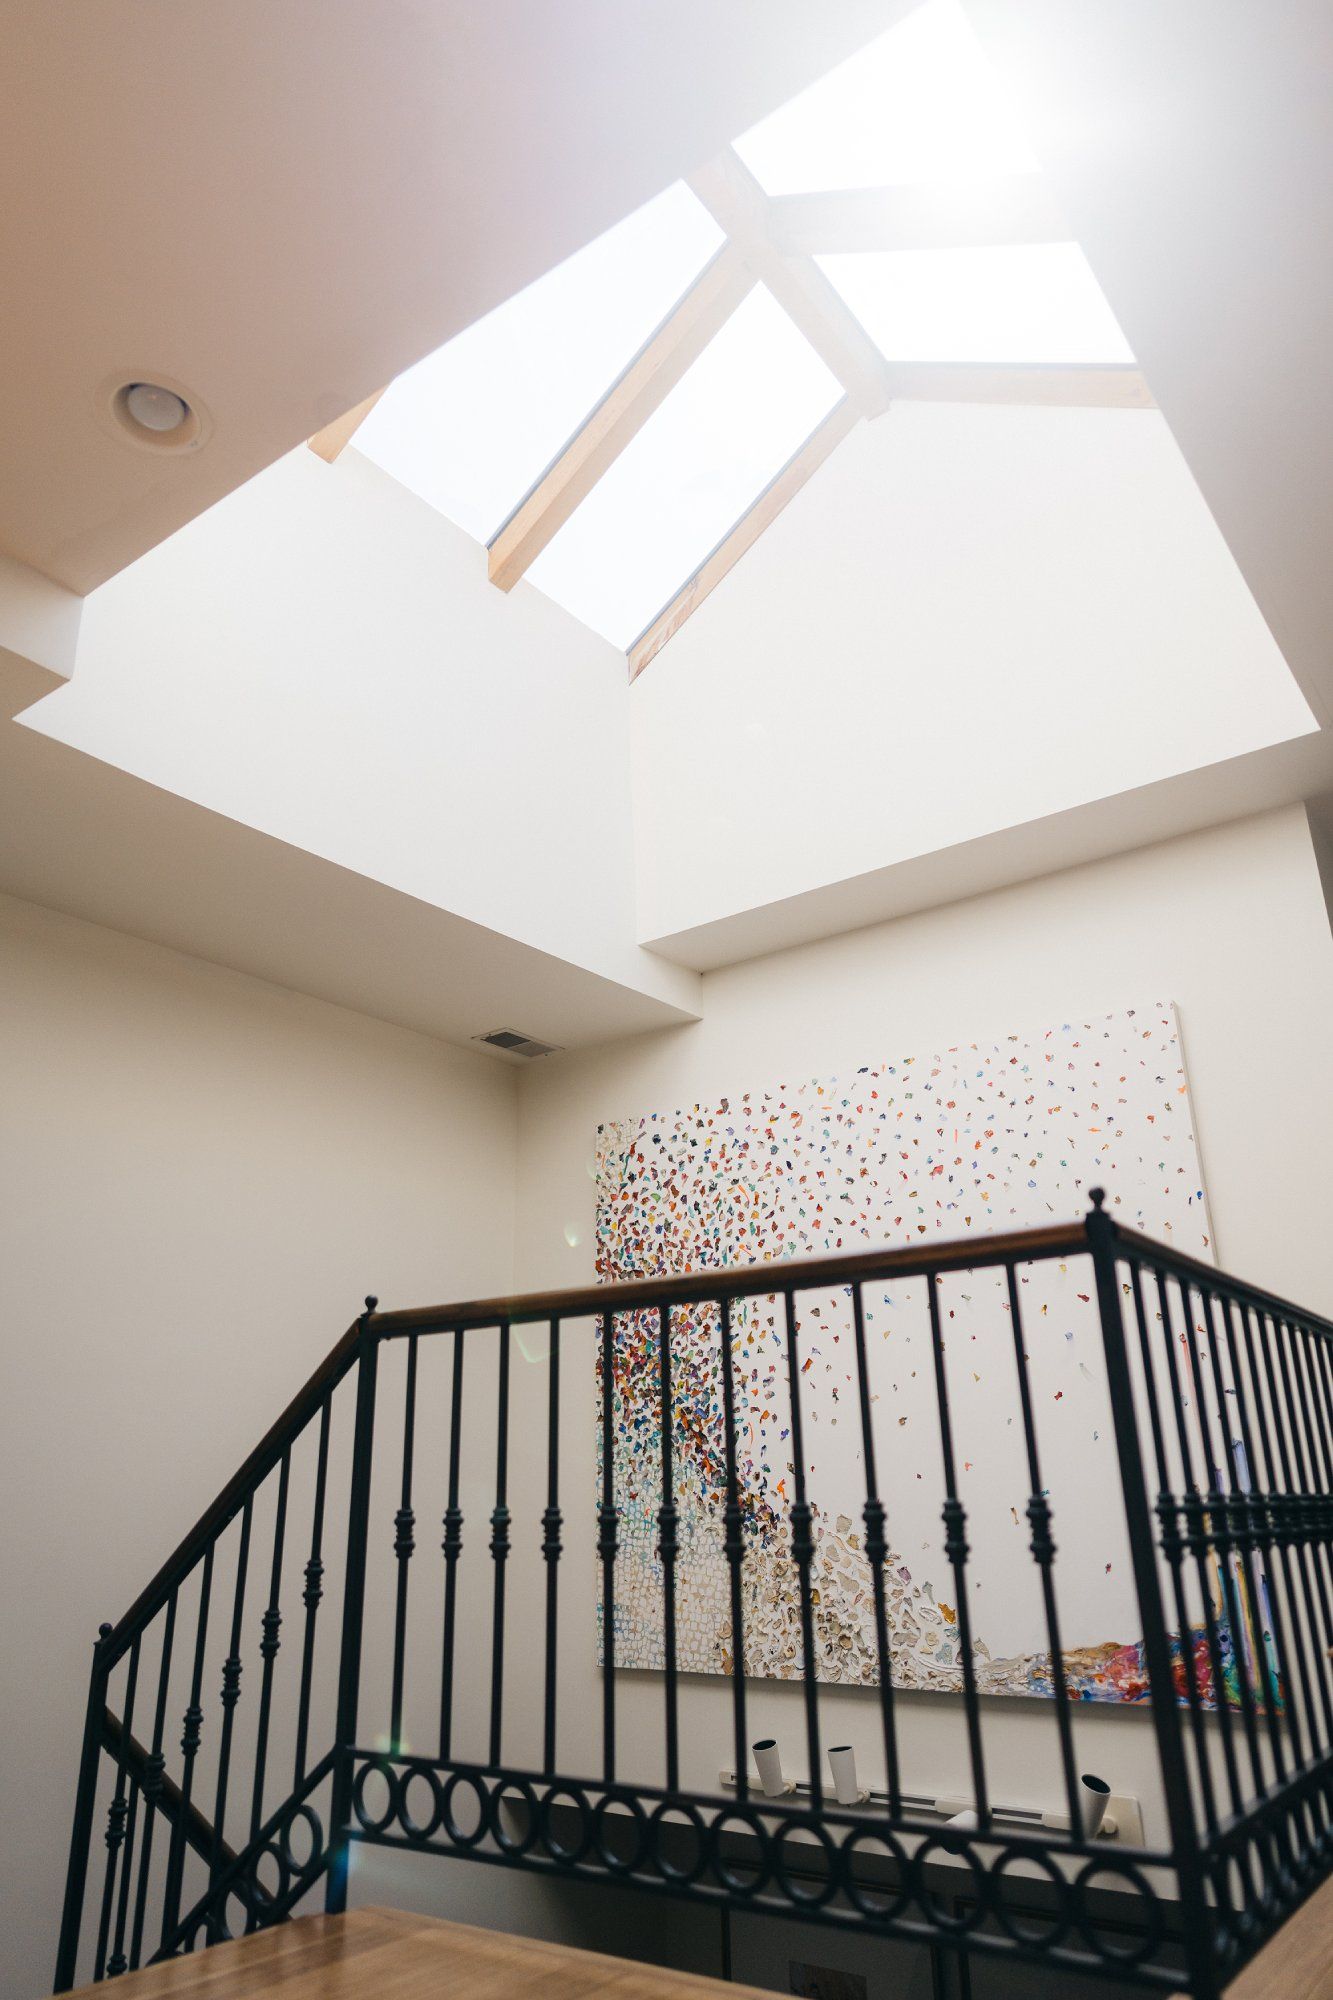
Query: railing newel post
[353,1609]
[85,1801]
[1200,1957]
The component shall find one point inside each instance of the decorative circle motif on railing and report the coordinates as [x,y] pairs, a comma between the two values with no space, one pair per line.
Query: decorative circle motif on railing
[578,1798]
[808,1831]
[1141,1945]
[253,1892]
[463,1836]
[1048,1932]
[368,1821]
[302,1815]
[972,1903]
[698,1832]
[865,1901]
[499,1831]
[419,1772]
[759,1872]
[768,1856]
[624,1804]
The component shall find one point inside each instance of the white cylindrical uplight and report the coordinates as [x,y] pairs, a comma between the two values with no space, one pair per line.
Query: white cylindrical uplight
[1094,1795]
[768,1761]
[842,1763]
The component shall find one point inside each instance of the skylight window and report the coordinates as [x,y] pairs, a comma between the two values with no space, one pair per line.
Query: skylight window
[472,426]
[732,422]
[920,103]
[608,432]
[1034,302]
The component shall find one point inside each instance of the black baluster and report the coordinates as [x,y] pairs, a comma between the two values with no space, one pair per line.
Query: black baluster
[231,1694]
[1270,1529]
[734,1542]
[1319,1512]
[1195,1540]
[85,1807]
[312,1594]
[1173,1549]
[1042,1544]
[668,1547]
[153,1773]
[1273,1572]
[1313,1347]
[1219,1529]
[956,1549]
[1321,1617]
[404,1542]
[803,1553]
[116,1817]
[551,1544]
[500,1548]
[877,1549]
[190,1738]
[1197,1918]
[608,1517]
[1322,1362]
[118,1962]
[353,1612]
[453,1549]
[1284,1507]
[269,1642]
[1245,1535]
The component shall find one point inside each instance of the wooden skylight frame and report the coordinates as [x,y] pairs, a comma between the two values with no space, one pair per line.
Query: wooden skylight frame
[774,241]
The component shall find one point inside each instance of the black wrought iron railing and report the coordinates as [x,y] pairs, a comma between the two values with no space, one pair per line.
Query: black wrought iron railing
[464,1711]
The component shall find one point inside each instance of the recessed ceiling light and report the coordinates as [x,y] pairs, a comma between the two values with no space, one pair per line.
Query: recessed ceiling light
[156,415]
[155,408]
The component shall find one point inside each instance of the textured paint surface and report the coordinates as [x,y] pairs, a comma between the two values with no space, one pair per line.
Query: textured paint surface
[980,1137]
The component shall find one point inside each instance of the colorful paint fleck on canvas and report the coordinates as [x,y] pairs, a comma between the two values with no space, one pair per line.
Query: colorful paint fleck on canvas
[980,1137]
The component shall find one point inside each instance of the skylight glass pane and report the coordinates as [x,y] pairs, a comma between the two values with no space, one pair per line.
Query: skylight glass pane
[732,422]
[472,426]
[920,103]
[1033,302]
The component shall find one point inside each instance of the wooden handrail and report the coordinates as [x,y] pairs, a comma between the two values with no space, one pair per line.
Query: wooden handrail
[1180,1263]
[741,1281]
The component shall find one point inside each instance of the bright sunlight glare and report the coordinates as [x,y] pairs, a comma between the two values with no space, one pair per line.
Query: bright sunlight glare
[920,103]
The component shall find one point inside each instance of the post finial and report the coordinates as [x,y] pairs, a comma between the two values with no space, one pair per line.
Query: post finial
[104,1631]
[371,1302]
[1097,1196]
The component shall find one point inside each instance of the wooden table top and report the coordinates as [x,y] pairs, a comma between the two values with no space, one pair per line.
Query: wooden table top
[380,1954]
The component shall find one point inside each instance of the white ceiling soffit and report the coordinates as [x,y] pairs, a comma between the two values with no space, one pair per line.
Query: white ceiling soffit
[277,209]
[1191,147]
[1280,774]
[84,837]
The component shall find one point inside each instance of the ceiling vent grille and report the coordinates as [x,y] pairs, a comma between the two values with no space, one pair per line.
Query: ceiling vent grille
[514,1044]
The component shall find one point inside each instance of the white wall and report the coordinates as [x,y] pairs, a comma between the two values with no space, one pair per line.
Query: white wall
[39,620]
[321,656]
[970,618]
[200,1178]
[1230,924]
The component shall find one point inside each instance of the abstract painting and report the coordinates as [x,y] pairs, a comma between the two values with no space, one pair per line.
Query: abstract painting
[982,1136]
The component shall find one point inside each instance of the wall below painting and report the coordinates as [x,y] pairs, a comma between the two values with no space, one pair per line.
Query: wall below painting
[1230,924]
